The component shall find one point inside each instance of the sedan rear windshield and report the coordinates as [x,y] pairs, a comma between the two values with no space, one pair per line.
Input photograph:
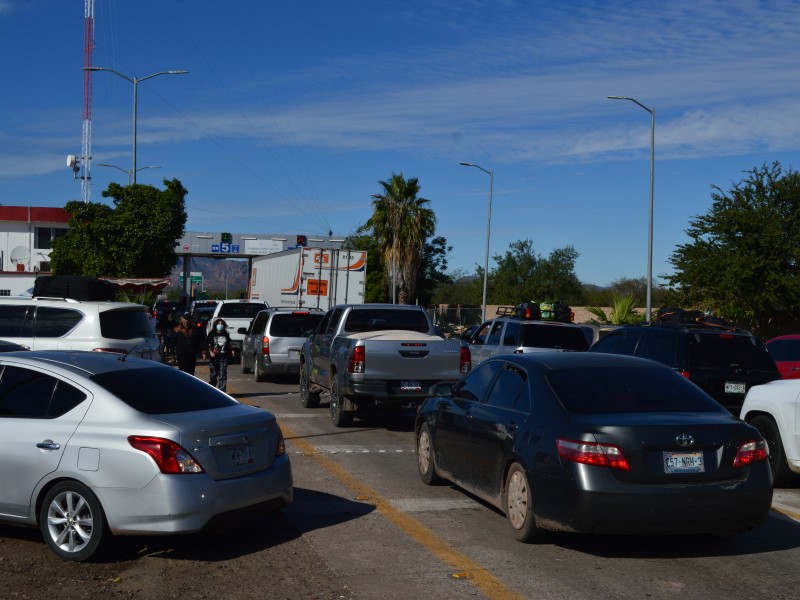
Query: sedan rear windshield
[361,320]
[160,391]
[621,389]
[554,336]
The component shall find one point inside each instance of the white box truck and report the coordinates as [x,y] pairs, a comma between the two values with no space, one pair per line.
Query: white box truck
[310,277]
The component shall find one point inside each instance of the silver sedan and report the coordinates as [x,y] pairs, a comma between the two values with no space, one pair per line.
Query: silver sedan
[92,444]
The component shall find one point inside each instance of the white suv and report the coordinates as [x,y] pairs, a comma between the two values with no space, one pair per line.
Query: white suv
[66,324]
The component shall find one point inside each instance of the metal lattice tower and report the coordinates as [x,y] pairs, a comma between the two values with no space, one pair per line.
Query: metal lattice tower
[86,137]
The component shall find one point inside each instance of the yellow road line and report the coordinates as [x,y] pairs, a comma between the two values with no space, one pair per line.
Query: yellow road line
[464,566]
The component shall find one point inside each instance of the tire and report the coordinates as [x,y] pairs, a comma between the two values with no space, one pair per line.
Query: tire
[308,398]
[72,521]
[339,417]
[245,369]
[768,429]
[260,374]
[426,463]
[518,506]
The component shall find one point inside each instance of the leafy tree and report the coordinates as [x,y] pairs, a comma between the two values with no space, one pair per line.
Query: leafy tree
[743,260]
[460,288]
[376,288]
[135,238]
[433,271]
[522,275]
[401,222]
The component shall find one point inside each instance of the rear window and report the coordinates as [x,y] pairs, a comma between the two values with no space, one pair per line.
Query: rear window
[161,391]
[360,320]
[554,336]
[125,324]
[784,350]
[623,390]
[240,310]
[294,324]
[725,350]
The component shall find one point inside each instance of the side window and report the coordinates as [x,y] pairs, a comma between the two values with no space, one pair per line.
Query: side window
[660,346]
[25,393]
[65,398]
[481,334]
[16,321]
[475,385]
[494,334]
[259,323]
[55,322]
[333,324]
[323,324]
[510,390]
[511,334]
[618,342]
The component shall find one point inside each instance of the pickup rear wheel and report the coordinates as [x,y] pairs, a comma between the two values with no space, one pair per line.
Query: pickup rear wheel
[768,429]
[308,398]
[339,417]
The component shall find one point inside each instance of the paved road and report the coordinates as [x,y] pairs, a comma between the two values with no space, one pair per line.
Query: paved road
[361,505]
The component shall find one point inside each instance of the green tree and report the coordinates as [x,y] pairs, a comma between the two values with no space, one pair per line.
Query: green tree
[622,311]
[523,275]
[402,222]
[134,238]
[375,284]
[743,260]
[433,270]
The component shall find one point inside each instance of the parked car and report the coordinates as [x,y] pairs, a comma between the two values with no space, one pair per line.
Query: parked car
[164,306]
[66,324]
[201,316]
[725,362]
[584,442]
[274,340]
[785,351]
[774,409]
[93,444]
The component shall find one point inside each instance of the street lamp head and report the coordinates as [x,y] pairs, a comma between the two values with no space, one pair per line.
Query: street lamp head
[466,164]
[177,72]
[617,97]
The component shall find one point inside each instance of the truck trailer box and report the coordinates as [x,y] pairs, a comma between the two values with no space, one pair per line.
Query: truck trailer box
[310,277]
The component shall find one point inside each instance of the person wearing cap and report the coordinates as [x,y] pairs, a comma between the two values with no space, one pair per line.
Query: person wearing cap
[187,342]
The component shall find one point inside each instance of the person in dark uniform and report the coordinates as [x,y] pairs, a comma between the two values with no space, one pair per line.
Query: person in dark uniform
[187,340]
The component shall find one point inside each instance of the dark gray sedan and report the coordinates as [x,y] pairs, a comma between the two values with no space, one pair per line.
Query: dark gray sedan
[595,443]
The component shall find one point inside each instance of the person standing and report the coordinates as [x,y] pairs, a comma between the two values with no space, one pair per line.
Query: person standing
[187,342]
[219,351]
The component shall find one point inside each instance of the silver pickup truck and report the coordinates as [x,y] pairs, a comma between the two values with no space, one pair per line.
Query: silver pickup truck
[382,356]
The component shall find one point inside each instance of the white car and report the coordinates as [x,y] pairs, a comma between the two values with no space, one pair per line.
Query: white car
[67,324]
[774,409]
[236,314]
[94,443]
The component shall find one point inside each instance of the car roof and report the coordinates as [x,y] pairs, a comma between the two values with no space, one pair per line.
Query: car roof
[553,361]
[82,363]
[788,336]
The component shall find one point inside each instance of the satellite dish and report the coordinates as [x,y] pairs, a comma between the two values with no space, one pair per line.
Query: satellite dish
[72,160]
[20,254]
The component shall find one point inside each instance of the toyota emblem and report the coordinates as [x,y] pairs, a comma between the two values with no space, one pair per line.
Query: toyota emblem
[684,440]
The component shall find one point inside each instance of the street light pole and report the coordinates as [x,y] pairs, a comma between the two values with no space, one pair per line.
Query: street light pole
[126,170]
[652,112]
[135,81]
[488,232]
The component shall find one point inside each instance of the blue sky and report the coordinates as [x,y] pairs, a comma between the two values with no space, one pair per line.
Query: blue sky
[292,112]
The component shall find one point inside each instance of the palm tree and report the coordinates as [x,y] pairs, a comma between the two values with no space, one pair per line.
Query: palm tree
[401,222]
[622,311]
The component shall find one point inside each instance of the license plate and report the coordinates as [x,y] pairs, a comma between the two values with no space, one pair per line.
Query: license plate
[410,386]
[242,455]
[734,387]
[683,462]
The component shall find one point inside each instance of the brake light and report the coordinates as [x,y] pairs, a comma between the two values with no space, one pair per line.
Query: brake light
[601,455]
[685,374]
[750,452]
[281,449]
[265,345]
[465,360]
[170,457]
[357,360]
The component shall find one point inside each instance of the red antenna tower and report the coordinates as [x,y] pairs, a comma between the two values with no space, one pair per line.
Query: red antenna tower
[84,163]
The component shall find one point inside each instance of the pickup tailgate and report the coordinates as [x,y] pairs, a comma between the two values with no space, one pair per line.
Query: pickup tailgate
[401,355]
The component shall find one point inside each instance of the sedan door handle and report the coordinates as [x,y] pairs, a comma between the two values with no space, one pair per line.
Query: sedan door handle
[48,445]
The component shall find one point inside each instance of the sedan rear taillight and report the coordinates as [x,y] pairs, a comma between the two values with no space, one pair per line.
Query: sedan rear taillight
[465,360]
[601,455]
[265,346]
[357,360]
[281,449]
[171,458]
[750,452]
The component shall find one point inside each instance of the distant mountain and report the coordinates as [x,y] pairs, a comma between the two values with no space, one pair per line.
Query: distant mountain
[218,275]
